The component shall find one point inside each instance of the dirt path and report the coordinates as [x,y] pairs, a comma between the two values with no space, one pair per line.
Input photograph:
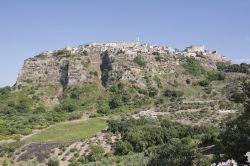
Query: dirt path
[6,141]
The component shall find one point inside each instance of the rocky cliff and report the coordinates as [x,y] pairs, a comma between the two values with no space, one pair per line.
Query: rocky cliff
[108,63]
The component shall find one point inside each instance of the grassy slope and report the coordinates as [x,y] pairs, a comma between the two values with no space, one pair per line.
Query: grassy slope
[63,132]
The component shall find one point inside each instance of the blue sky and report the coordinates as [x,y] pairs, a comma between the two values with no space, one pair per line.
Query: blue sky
[29,27]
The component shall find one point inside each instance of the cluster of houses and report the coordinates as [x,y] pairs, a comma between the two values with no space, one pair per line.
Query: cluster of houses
[132,48]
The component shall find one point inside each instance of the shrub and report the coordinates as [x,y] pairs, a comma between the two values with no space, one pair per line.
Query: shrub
[213,75]
[123,148]
[158,81]
[156,53]
[193,67]
[62,52]
[239,97]
[240,68]
[173,153]
[66,106]
[5,90]
[96,152]
[152,91]
[53,162]
[40,109]
[139,61]
[204,83]
[103,106]
[173,93]
[73,150]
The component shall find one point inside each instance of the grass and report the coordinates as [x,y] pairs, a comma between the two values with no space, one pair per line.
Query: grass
[68,131]
[191,90]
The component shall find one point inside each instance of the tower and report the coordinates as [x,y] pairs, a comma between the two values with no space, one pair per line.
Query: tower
[137,40]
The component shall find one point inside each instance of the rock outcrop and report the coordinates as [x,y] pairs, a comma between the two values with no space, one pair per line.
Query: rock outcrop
[108,62]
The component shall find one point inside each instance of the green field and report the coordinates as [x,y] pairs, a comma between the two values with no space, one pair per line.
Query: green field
[68,131]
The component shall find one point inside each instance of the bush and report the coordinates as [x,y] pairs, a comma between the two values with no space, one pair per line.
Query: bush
[96,152]
[152,91]
[156,53]
[67,106]
[239,97]
[22,107]
[240,68]
[174,154]
[204,83]
[139,61]
[5,90]
[235,138]
[123,148]
[193,67]
[173,93]
[53,162]
[213,75]
[103,106]
[115,103]
[62,52]
[40,109]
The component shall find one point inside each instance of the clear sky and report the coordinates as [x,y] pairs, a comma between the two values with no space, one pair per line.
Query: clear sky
[28,27]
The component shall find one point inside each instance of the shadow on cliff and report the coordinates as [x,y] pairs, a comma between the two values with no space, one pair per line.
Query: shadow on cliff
[105,67]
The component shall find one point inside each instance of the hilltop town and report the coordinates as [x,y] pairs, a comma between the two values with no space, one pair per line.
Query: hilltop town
[73,65]
[121,103]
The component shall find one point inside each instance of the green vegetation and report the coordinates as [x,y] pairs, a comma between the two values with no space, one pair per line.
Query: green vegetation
[74,130]
[63,52]
[96,153]
[140,61]
[53,162]
[204,83]
[239,68]
[235,137]
[214,75]
[159,141]
[173,93]
[238,97]
[193,67]
[123,99]
[162,142]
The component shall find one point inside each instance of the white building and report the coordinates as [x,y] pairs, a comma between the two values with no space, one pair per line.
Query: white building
[195,48]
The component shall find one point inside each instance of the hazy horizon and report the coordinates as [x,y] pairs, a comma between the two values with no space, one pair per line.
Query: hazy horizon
[28,27]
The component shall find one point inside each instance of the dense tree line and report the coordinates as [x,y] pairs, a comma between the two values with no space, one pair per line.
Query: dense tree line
[163,142]
[239,68]
[236,136]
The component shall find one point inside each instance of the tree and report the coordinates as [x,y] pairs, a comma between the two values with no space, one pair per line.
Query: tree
[123,148]
[171,154]
[235,138]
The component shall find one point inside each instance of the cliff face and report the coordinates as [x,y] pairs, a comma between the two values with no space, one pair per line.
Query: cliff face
[109,62]
[63,68]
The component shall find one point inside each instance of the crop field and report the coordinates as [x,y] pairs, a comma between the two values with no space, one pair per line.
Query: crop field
[68,131]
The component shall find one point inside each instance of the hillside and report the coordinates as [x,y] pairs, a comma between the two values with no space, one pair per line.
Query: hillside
[113,102]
